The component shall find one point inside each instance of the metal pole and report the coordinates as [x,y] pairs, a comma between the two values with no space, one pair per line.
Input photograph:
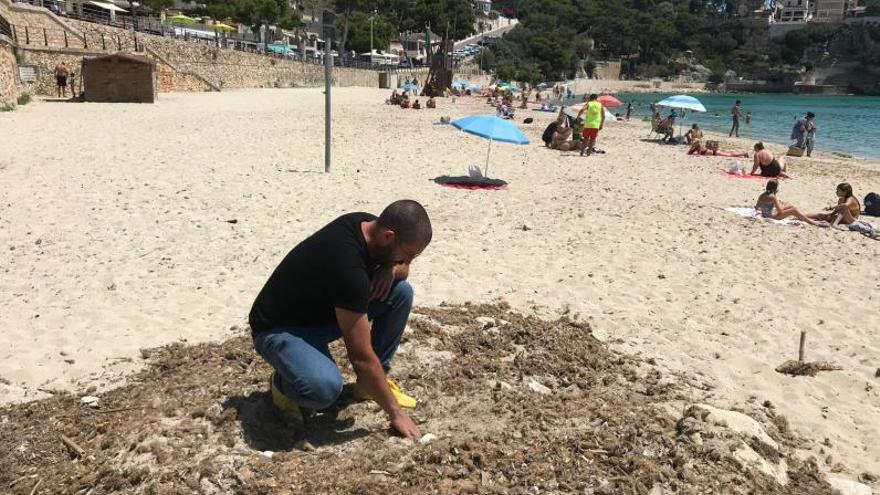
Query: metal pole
[371,38]
[329,18]
[489,152]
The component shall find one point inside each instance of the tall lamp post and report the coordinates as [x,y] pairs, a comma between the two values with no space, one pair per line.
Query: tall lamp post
[329,19]
[372,18]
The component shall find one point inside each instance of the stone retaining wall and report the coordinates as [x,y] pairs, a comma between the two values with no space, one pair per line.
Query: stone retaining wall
[10,88]
[168,78]
[182,65]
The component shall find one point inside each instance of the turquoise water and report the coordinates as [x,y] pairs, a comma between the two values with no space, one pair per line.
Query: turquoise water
[847,124]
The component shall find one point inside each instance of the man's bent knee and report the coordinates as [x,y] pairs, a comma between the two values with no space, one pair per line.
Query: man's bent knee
[325,391]
[403,292]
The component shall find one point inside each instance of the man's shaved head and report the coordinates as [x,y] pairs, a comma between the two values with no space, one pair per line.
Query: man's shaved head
[408,220]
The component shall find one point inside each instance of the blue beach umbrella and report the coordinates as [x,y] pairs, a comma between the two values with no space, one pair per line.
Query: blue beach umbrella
[492,128]
[410,87]
[460,83]
[684,102]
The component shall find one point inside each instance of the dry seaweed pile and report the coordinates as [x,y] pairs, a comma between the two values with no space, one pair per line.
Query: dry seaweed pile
[519,405]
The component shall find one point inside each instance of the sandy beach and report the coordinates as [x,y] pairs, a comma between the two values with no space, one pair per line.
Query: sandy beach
[126,227]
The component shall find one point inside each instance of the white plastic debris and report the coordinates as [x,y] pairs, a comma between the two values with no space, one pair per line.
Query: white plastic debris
[427,438]
[89,400]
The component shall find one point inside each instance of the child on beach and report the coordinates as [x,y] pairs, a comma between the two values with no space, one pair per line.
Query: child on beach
[769,206]
[845,212]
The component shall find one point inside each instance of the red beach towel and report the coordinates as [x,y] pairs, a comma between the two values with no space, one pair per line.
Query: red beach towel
[746,176]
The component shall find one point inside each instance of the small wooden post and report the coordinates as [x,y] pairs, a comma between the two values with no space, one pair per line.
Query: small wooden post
[103,42]
[27,36]
[801,348]
[66,44]
[45,38]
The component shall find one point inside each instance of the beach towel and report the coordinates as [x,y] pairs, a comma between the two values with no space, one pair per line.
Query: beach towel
[752,213]
[729,175]
[471,183]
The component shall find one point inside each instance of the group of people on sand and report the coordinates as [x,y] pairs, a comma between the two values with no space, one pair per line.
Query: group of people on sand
[844,212]
[503,103]
[764,163]
[403,101]
[579,133]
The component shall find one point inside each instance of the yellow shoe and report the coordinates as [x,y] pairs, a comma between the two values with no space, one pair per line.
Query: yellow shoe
[289,409]
[403,400]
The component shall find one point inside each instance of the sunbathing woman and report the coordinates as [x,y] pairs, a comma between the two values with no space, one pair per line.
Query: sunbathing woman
[845,212]
[770,166]
[700,148]
[694,135]
[769,206]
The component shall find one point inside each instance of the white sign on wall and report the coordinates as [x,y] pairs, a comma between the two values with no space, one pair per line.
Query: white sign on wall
[27,73]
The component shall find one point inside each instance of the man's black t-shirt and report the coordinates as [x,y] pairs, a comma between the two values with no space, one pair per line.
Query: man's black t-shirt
[330,269]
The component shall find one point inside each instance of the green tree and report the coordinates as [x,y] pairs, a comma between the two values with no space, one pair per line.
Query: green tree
[359,33]
[254,13]
[589,67]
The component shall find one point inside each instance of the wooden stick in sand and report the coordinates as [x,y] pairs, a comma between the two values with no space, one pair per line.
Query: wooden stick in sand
[801,348]
[74,448]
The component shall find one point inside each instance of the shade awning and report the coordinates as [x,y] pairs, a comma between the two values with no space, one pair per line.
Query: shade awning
[107,6]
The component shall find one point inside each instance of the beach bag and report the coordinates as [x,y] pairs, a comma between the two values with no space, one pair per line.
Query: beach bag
[872,204]
[795,151]
[548,133]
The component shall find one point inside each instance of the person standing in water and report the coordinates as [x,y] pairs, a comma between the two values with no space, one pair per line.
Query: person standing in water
[734,114]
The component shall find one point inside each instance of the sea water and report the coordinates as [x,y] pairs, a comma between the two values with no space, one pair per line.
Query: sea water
[846,124]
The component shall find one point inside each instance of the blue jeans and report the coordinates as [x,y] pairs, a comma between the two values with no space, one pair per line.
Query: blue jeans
[305,370]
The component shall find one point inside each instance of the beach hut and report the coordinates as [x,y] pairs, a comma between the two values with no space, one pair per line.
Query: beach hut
[119,78]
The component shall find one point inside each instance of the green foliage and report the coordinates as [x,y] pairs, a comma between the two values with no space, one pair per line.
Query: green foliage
[6,107]
[716,77]
[24,99]
[254,13]
[589,67]
[486,59]
[398,16]
[359,32]
[157,5]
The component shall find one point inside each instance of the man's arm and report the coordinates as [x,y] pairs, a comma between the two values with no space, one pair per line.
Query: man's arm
[356,333]
[401,271]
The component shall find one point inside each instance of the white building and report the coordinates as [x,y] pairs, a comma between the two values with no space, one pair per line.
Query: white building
[414,46]
[829,10]
[796,11]
[483,6]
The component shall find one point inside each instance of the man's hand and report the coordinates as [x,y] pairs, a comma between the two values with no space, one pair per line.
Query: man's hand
[404,425]
[381,284]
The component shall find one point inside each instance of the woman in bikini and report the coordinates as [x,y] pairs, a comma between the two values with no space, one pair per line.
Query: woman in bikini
[700,148]
[845,212]
[694,135]
[770,166]
[769,206]
[562,134]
